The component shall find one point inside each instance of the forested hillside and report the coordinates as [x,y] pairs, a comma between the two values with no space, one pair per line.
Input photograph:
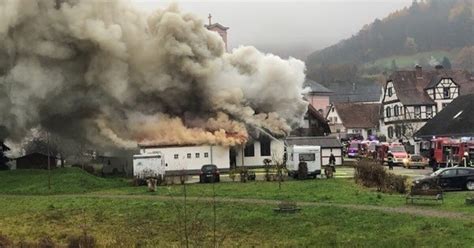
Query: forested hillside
[425,33]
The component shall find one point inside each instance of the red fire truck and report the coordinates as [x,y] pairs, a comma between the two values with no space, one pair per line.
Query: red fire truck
[450,151]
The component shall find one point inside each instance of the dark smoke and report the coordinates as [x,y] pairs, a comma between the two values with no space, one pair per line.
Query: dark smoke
[107,74]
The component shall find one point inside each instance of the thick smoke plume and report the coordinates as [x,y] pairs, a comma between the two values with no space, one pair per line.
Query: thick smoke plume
[108,74]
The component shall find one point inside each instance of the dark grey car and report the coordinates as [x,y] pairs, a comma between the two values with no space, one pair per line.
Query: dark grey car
[209,174]
[453,178]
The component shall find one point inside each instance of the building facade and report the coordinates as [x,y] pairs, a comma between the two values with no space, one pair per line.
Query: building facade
[318,96]
[411,98]
[220,29]
[357,120]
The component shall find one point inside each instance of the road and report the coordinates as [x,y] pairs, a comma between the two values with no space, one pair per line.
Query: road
[341,172]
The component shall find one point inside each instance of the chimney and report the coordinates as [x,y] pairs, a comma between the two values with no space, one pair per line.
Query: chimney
[419,71]
[439,68]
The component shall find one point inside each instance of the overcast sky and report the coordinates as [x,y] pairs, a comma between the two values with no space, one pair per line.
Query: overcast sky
[287,28]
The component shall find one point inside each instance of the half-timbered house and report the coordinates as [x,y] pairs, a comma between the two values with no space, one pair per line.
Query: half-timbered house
[411,98]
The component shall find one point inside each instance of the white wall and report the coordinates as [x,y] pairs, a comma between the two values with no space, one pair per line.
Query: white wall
[326,152]
[335,121]
[177,157]
[277,149]
[394,96]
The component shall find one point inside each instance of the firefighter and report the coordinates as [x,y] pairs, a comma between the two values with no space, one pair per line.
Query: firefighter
[433,163]
[390,161]
[332,162]
[465,160]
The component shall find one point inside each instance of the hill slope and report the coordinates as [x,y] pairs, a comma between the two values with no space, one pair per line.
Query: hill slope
[427,26]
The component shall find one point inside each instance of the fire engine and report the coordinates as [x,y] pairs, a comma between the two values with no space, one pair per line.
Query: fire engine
[450,151]
[398,151]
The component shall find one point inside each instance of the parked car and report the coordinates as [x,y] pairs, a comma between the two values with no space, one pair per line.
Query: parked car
[209,174]
[449,179]
[415,161]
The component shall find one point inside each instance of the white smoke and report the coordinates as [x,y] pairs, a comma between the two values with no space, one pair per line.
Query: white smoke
[107,73]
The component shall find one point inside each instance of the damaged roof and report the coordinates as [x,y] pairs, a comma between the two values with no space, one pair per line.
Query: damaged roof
[455,120]
[359,115]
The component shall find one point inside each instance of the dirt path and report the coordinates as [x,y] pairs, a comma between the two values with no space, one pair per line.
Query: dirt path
[410,210]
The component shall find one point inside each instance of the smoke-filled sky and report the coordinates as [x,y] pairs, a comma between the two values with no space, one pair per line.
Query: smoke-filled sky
[108,74]
[288,27]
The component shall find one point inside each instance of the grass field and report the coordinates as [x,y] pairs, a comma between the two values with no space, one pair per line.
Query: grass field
[63,181]
[409,61]
[121,216]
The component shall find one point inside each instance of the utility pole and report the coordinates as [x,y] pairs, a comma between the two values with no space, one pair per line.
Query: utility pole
[49,161]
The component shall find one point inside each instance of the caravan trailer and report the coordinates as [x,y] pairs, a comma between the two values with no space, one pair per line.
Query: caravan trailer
[176,159]
[309,154]
[148,165]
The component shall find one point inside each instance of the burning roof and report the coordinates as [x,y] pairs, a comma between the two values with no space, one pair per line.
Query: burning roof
[106,73]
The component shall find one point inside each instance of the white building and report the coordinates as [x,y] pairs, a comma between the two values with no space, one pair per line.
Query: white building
[190,158]
[411,98]
[253,154]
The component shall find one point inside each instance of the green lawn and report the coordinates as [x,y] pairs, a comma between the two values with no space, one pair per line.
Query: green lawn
[152,223]
[76,203]
[63,181]
[340,191]
[409,61]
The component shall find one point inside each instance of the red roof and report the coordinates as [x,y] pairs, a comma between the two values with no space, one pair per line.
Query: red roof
[358,115]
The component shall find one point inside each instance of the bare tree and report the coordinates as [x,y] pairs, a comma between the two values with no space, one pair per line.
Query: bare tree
[279,166]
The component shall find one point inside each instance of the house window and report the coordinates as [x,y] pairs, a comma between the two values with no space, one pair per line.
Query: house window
[338,130]
[335,119]
[398,131]
[390,93]
[206,154]
[446,93]
[444,105]
[249,150]
[388,112]
[265,147]
[188,155]
[390,132]
[176,156]
[417,112]
[396,111]
[429,111]
[332,109]
[197,155]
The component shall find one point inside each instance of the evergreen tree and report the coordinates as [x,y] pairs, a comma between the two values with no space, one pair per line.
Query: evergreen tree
[446,63]
[3,158]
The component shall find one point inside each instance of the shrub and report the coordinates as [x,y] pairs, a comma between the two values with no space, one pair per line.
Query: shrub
[267,166]
[244,172]
[370,174]
[233,174]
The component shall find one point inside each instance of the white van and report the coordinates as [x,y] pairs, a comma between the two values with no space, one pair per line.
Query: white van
[309,154]
[148,165]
